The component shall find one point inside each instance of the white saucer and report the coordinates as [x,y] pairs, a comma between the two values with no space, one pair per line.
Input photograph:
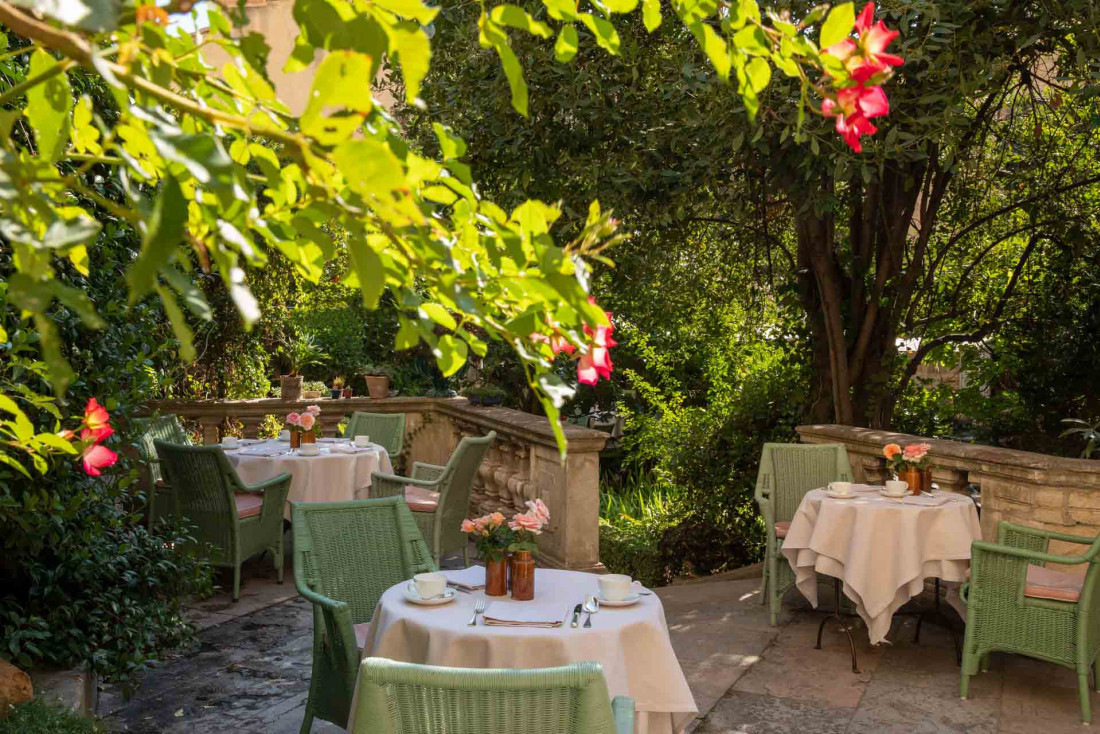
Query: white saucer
[410,594]
[889,496]
[632,598]
[836,496]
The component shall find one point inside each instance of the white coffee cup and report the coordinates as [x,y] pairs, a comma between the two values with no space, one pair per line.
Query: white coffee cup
[284,435]
[230,442]
[309,449]
[362,441]
[840,488]
[615,586]
[895,486]
[430,585]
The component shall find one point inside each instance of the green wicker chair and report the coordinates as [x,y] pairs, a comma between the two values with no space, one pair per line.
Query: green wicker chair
[345,555]
[385,429]
[238,520]
[151,479]
[442,498]
[1020,600]
[787,472]
[401,698]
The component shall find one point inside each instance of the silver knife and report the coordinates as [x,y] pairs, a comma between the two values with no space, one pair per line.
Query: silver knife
[576,615]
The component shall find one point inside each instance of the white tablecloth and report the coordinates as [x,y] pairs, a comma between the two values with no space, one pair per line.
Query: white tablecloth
[882,549]
[328,477]
[631,643]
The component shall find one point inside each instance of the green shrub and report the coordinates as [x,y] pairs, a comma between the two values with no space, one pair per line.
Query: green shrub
[634,516]
[38,717]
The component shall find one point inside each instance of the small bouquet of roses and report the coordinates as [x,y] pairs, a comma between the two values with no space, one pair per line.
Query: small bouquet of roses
[494,537]
[526,525]
[913,456]
[306,420]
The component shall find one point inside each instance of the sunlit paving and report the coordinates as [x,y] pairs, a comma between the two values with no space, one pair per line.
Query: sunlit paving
[550,367]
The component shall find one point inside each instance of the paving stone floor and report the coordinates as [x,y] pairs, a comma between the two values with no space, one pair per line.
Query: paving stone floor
[249,670]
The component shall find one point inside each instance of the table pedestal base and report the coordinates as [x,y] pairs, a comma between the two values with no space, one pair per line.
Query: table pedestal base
[940,619]
[836,616]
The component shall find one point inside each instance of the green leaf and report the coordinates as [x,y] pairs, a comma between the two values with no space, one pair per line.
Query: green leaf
[450,144]
[450,354]
[370,168]
[338,83]
[516,17]
[408,335]
[651,14]
[163,235]
[621,6]
[192,297]
[368,267]
[413,9]
[606,36]
[413,50]
[514,73]
[439,315]
[838,25]
[751,40]
[759,73]
[714,46]
[48,105]
[566,46]
[563,10]
[178,322]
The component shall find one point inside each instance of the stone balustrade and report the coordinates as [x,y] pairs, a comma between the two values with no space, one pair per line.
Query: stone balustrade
[523,464]
[1037,490]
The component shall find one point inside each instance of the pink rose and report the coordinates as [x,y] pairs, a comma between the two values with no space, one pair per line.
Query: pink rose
[527,522]
[307,421]
[539,509]
[496,520]
[468,526]
[293,419]
[916,451]
[313,410]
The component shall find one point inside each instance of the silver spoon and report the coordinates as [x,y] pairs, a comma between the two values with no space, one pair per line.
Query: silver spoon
[591,606]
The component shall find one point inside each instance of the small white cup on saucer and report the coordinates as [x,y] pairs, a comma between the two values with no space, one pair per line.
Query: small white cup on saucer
[840,489]
[230,442]
[309,449]
[362,441]
[896,488]
[615,586]
[284,436]
[430,585]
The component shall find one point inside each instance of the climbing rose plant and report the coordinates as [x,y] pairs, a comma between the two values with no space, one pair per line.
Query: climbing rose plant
[20,438]
[216,172]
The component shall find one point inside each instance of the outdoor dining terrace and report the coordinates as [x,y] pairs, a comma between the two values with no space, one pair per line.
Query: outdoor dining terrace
[250,667]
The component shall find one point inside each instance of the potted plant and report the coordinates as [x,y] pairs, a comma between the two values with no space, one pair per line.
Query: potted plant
[337,388]
[484,395]
[299,353]
[378,380]
[910,464]
[313,389]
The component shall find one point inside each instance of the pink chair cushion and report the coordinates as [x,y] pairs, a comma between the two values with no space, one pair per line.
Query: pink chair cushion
[420,499]
[1052,583]
[361,631]
[781,529]
[248,504]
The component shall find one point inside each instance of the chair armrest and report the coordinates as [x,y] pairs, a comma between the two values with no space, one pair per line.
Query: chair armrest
[980,547]
[427,472]
[622,709]
[391,485]
[1007,530]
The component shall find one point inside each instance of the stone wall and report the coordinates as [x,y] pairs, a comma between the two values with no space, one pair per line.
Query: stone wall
[523,463]
[1037,490]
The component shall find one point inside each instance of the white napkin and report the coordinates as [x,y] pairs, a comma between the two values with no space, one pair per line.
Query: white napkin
[470,579]
[925,501]
[329,439]
[865,488]
[525,615]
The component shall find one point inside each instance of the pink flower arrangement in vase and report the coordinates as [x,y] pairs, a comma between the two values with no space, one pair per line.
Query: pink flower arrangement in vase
[303,425]
[910,464]
[495,539]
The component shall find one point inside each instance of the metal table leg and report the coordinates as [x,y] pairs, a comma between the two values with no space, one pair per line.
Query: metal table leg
[839,620]
[938,617]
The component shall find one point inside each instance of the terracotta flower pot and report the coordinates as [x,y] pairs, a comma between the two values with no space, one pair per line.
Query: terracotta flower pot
[378,386]
[290,387]
[496,577]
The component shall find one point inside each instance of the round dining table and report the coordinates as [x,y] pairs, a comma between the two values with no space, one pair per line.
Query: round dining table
[341,471]
[881,549]
[632,643]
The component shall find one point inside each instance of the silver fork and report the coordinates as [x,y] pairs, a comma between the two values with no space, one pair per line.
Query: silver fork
[479,607]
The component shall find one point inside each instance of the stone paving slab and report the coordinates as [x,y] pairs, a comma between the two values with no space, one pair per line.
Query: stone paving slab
[248,672]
